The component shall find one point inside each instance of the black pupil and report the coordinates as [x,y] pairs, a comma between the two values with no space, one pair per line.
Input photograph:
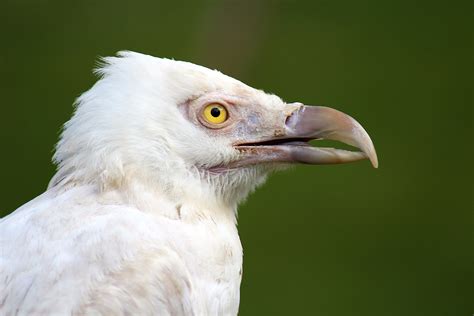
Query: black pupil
[215,112]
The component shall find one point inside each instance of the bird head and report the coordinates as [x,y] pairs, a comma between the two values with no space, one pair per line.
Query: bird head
[190,132]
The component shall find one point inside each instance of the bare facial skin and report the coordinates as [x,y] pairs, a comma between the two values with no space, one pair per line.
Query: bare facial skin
[284,138]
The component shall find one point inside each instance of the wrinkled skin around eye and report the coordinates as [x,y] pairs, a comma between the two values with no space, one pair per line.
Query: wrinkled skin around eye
[249,119]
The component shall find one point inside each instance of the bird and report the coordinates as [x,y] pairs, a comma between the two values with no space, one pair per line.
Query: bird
[140,216]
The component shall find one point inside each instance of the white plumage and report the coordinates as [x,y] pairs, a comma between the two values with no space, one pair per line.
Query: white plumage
[140,217]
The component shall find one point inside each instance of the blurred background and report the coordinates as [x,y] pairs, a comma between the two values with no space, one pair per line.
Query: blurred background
[325,240]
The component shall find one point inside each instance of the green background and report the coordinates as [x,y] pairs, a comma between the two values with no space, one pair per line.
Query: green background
[318,240]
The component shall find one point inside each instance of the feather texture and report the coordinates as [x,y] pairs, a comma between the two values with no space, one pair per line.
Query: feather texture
[112,259]
[134,221]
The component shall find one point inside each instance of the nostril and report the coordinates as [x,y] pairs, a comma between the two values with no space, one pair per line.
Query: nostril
[288,119]
[291,119]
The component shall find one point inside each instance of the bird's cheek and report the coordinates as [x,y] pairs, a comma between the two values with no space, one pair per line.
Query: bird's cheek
[251,127]
[253,120]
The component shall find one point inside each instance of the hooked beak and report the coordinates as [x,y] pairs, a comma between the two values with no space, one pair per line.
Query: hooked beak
[309,123]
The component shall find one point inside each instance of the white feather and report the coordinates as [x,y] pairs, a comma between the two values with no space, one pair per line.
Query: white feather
[132,223]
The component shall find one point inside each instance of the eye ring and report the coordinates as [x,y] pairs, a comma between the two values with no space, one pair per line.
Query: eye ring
[214,115]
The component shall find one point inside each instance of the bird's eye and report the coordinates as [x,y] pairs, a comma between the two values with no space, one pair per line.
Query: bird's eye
[215,113]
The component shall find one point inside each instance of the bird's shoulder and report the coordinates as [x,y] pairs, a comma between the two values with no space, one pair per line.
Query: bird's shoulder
[75,215]
[73,246]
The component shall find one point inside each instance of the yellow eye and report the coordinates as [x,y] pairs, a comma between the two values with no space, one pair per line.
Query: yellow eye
[215,113]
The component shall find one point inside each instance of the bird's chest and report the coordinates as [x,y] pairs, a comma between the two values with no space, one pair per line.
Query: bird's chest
[213,255]
[216,250]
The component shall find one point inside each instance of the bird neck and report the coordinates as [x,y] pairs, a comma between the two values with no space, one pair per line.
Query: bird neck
[183,196]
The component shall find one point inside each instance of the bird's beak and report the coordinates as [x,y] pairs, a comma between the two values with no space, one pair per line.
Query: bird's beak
[305,123]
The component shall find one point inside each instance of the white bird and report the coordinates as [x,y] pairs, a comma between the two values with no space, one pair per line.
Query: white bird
[140,218]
